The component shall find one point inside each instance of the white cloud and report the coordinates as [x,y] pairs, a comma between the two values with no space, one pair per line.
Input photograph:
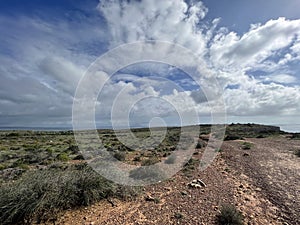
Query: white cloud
[40,66]
[225,55]
[167,20]
[64,72]
[281,78]
[251,49]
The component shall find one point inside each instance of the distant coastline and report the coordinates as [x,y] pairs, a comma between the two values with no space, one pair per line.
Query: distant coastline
[38,128]
[291,128]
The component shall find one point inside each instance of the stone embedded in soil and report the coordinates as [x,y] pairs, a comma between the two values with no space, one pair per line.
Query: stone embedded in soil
[197,183]
[149,198]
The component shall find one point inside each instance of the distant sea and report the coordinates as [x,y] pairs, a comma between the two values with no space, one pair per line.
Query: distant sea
[37,128]
[293,128]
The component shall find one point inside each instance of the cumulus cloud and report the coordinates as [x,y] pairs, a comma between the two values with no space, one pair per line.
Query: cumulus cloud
[255,46]
[168,20]
[227,56]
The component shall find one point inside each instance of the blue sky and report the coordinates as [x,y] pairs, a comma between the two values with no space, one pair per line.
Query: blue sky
[237,15]
[252,48]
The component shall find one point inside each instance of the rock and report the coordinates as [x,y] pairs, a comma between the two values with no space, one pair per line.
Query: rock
[197,183]
[201,183]
[184,193]
[149,198]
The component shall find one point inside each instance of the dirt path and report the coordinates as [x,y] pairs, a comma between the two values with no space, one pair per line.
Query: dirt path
[262,182]
[273,169]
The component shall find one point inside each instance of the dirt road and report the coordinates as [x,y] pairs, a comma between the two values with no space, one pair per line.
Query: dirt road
[272,167]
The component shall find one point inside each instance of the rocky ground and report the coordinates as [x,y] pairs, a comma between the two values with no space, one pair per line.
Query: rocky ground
[262,181]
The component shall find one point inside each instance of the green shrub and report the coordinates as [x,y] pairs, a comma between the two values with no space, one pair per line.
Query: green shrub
[63,157]
[295,136]
[13,134]
[201,144]
[50,151]
[41,194]
[190,166]
[24,166]
[15,148]
[137,158]
[147,174]
[178,215]
[229,215]
[232,137]
[150,161]
[78,157]
[3,148]
[2,166]
[17,163]
[247,145]
[260,136]
[120,156]
[74,149]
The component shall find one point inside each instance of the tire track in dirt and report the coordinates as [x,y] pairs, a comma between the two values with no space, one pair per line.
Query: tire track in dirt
[274,169]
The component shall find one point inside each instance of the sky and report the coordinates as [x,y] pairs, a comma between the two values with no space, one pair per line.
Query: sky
[251,48]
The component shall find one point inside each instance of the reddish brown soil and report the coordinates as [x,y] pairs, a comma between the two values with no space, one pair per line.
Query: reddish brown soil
[273,169]
[263,184]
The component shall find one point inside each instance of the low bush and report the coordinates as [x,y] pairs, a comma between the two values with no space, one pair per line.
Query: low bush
[297,152]
[201,144]
[41,194]
[63,157]
[2,166]
[74,149]
[247,145]
[190,166]
[147,174]
[78,157]
[232,137]
[295,136]
[149,161]
[229,215]
[260,136]
[120,156]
